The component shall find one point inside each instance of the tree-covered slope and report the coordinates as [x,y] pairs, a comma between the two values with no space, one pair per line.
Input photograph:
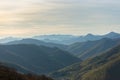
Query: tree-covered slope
[109,71]
[103,67]
[38,59]
[92,48]
[11,74]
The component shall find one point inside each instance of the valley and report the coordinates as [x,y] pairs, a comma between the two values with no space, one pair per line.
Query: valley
[88,60]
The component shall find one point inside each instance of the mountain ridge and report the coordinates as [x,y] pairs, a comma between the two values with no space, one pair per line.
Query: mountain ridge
[66,39]
[92,48]
[103,67]
[40,59]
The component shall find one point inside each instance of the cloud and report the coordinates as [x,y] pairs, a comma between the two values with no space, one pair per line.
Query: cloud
[75,16]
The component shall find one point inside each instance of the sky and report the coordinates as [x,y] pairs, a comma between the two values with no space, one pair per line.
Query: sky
[77,17]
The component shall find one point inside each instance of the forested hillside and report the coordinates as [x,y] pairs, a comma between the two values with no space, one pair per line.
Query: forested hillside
[37,59]
[103,67]
[11,74]
[88,49]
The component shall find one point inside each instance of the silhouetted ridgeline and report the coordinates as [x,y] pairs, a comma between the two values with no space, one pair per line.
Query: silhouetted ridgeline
[10,74]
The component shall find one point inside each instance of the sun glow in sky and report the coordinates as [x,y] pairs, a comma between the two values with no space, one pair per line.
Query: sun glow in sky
[37,17]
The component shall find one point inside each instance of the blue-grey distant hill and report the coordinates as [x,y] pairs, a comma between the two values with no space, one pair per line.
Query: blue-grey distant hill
[69,39]
[36,42]
[37,59]
[89,49]
[94,45]
[66,39]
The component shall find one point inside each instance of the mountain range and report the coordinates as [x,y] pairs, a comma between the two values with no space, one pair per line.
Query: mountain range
[37,59]
[82,50]
[66,39]
[36,42]
[88,49]
[62,57]
[103,67]
[70,39]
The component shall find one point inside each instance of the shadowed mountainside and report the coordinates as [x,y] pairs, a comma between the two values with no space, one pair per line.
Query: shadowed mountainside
[11,74]
[103,67]
[92,48]
[38,59]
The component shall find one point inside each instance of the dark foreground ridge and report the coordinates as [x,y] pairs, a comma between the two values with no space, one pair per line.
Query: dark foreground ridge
[11,74]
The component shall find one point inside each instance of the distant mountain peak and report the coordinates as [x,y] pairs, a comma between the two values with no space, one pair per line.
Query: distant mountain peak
[112,35]
[89,35]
